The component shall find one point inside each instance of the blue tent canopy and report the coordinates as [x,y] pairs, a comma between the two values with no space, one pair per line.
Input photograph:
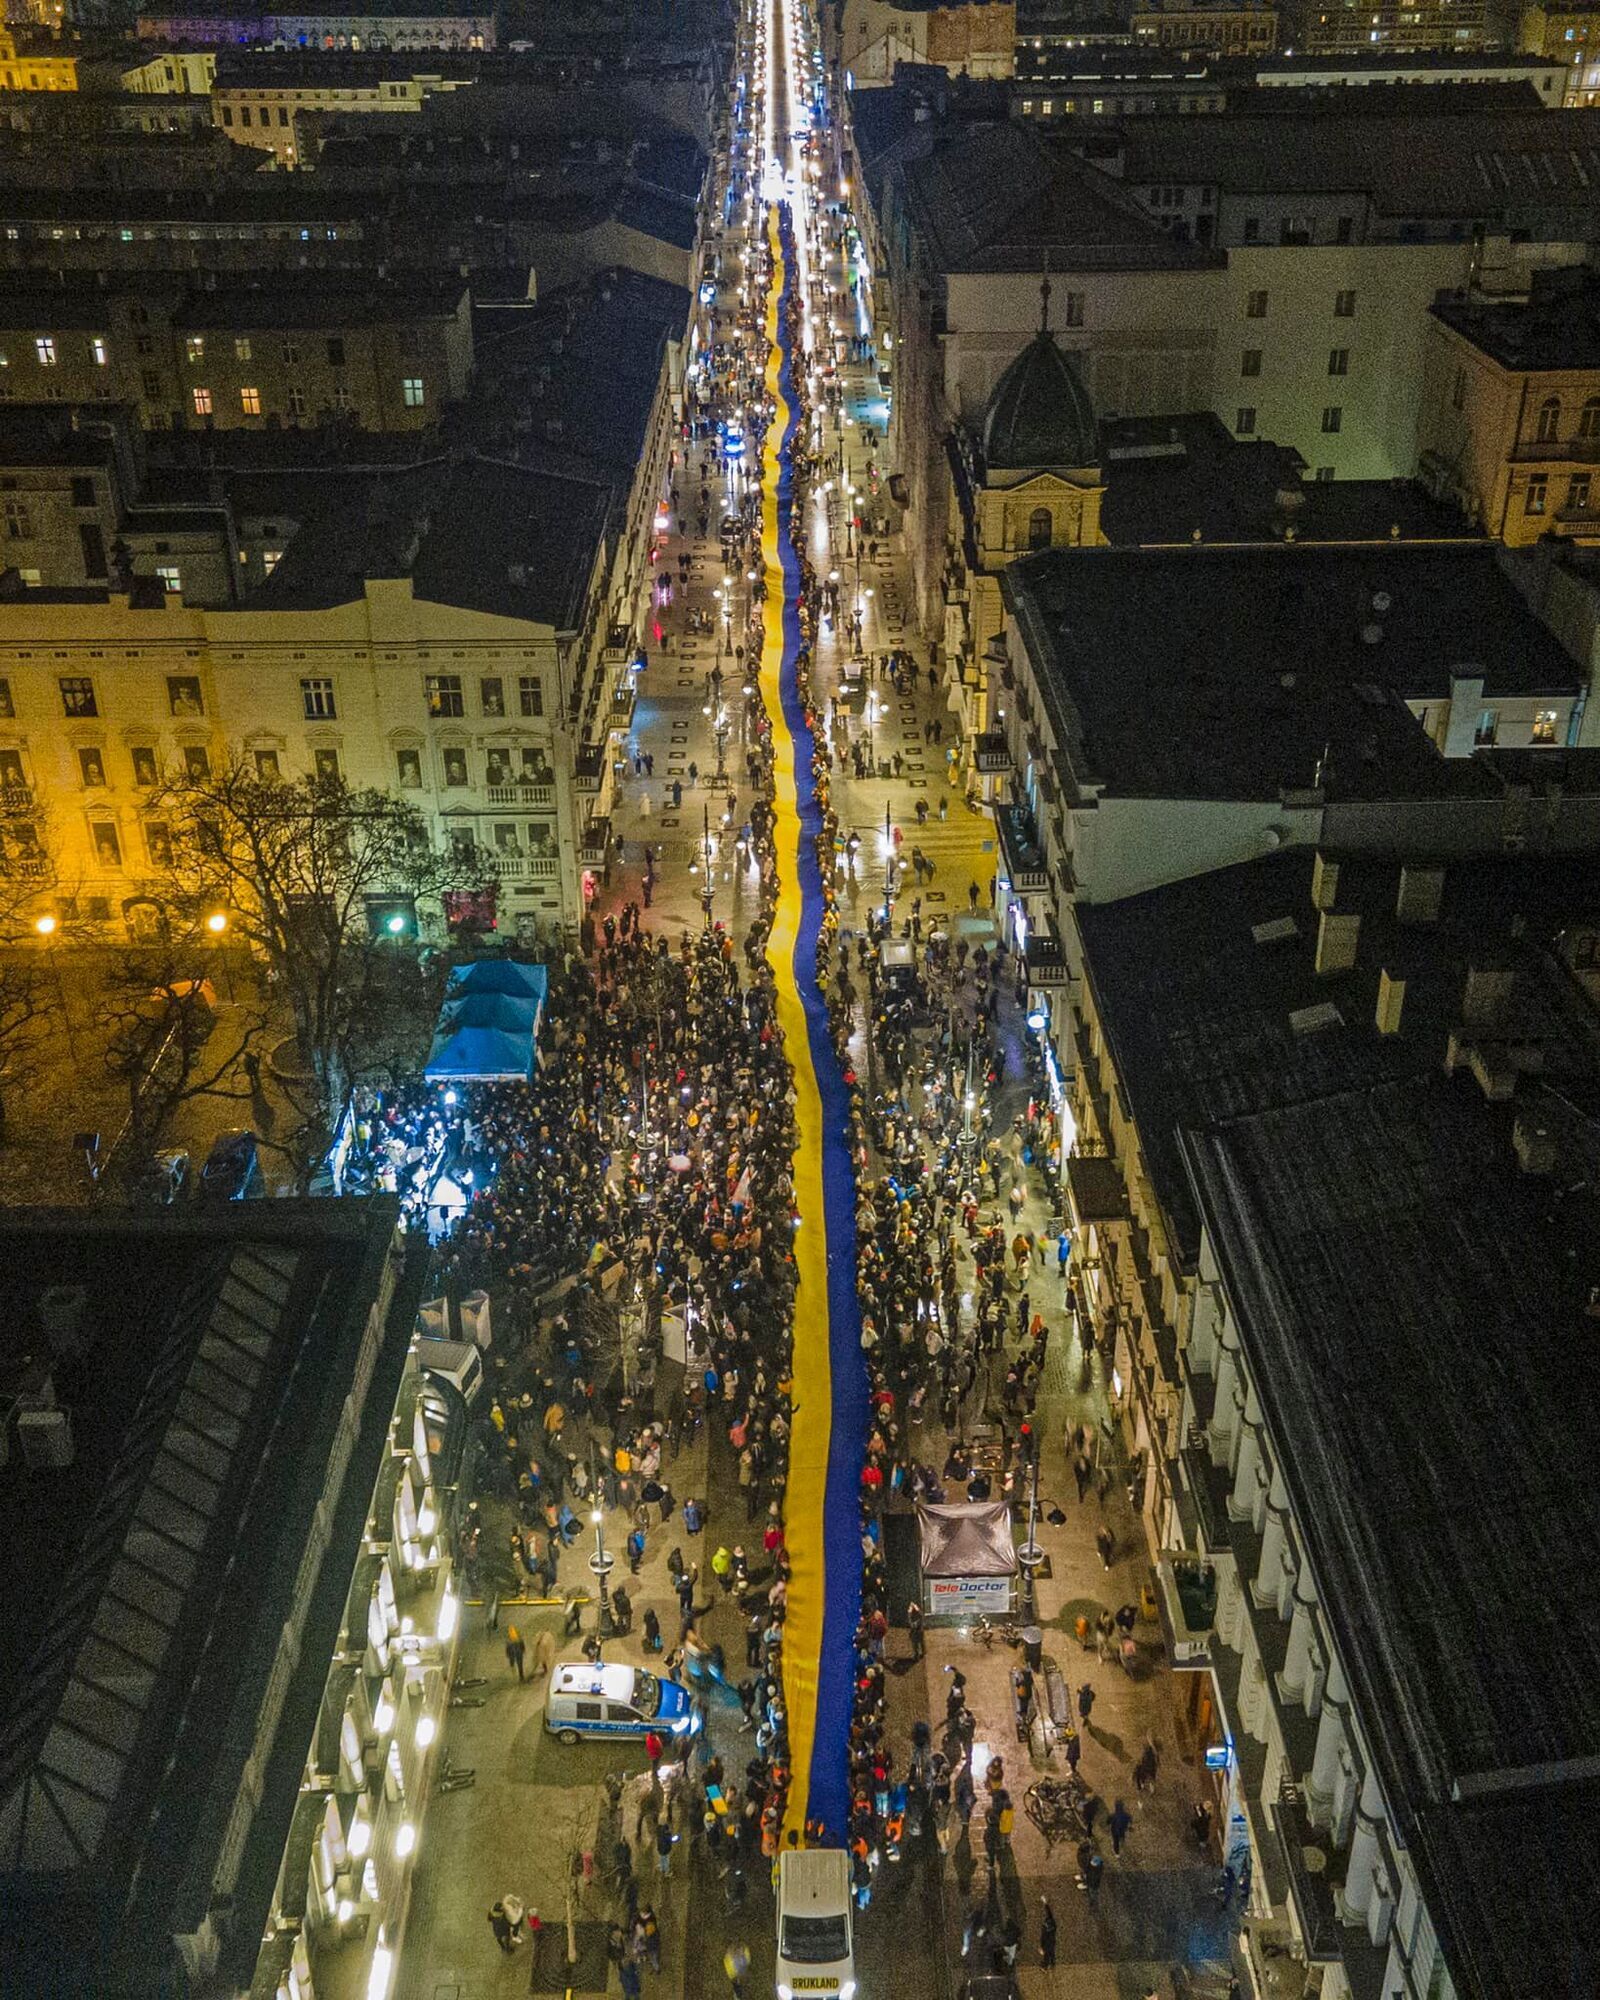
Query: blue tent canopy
[506,1011]
[489,1022]
[498,975]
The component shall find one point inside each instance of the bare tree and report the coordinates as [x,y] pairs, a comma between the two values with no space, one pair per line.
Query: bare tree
[168,1040]
[300,866]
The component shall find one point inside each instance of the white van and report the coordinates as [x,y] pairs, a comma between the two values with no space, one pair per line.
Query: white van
[611,1699]
[815,1940]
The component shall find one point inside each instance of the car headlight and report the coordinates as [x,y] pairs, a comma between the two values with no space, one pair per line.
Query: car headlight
[785,1992]
[848,1990]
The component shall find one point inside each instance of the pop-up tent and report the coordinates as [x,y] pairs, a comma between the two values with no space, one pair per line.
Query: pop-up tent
[489,1022]
[968,1561]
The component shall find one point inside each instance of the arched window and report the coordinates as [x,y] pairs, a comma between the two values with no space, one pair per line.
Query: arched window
[1041,529]
[1549,420]
[1589,419]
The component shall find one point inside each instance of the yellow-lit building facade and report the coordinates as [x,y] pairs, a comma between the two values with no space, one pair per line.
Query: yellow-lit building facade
[1509,427]
[27,70]
[1569,35]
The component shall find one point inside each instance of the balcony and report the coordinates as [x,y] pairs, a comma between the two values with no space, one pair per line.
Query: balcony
[620,713]
[1315,1872]
[596,839]
[527,796]
[1557,451]
[589,768]
[511,867]
[991,756]
[1187,1600]
[16,798]
[1047,967]
[1020,849]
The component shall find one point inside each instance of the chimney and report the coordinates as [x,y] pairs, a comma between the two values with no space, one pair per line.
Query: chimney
[1391,998]
[1337,938]
[1486,998]
[1421,892]
[1324,881]
[1466,705]
[1535,1144]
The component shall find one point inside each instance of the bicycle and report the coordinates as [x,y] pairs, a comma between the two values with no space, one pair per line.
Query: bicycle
[989,1629]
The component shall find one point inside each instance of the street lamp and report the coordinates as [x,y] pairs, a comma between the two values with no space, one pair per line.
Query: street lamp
[705,851]
[47,926]
[601,1564]
[217,925]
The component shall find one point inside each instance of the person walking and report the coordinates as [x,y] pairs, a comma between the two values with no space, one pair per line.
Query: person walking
[1085,1703]
[1121,1819]
[919,1644]
[1106,1543]
[736,1964]
[516,1652]
[504,1931]
[664,1846]
[1047,1935]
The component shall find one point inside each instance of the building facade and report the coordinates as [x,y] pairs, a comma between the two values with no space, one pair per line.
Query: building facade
[1198,24]
[1571,37]
[1510,415]
[29,69]
[386,358]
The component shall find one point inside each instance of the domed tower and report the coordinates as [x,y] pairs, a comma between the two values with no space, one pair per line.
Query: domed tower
[1039,463]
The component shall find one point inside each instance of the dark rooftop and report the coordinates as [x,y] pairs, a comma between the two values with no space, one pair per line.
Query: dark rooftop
[1478,165]
[152,1573]
[1167,476]
[1264,665]
[1001,198]
[1557,326]
[475,532]
[1416,1312]
[318,305]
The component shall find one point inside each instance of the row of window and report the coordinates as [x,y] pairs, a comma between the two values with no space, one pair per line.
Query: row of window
[445,694]
[48,348]
[1300,229]
[1256,305]
[413,394]
[1250,360]
[502,767]
[1537,497]
[1244,423]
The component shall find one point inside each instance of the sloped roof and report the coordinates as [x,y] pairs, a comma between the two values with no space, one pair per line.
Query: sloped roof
[968,1538]
[999,198]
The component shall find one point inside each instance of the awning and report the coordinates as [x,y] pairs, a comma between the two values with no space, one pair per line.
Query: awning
[970,1538]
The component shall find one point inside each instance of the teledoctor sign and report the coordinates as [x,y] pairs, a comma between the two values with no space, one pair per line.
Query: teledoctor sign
[950,1596]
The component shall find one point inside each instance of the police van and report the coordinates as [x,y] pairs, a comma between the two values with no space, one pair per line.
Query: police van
[816,1952]
[611,1699]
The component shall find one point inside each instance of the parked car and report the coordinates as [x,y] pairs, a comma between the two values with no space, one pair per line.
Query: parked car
[610,1699]
[233,1168]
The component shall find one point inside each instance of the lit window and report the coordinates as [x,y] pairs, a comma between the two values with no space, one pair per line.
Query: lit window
[270,559]
[99,353]
[45,348]
[411,390]
[250,402]
[195,347]
[1544,725]
[444,694]
[241,348]
[202,402]
[171,577]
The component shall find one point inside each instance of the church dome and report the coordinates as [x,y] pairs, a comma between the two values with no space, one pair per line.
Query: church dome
[1040,413]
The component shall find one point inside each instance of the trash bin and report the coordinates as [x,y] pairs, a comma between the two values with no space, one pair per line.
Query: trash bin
[1033,1647]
